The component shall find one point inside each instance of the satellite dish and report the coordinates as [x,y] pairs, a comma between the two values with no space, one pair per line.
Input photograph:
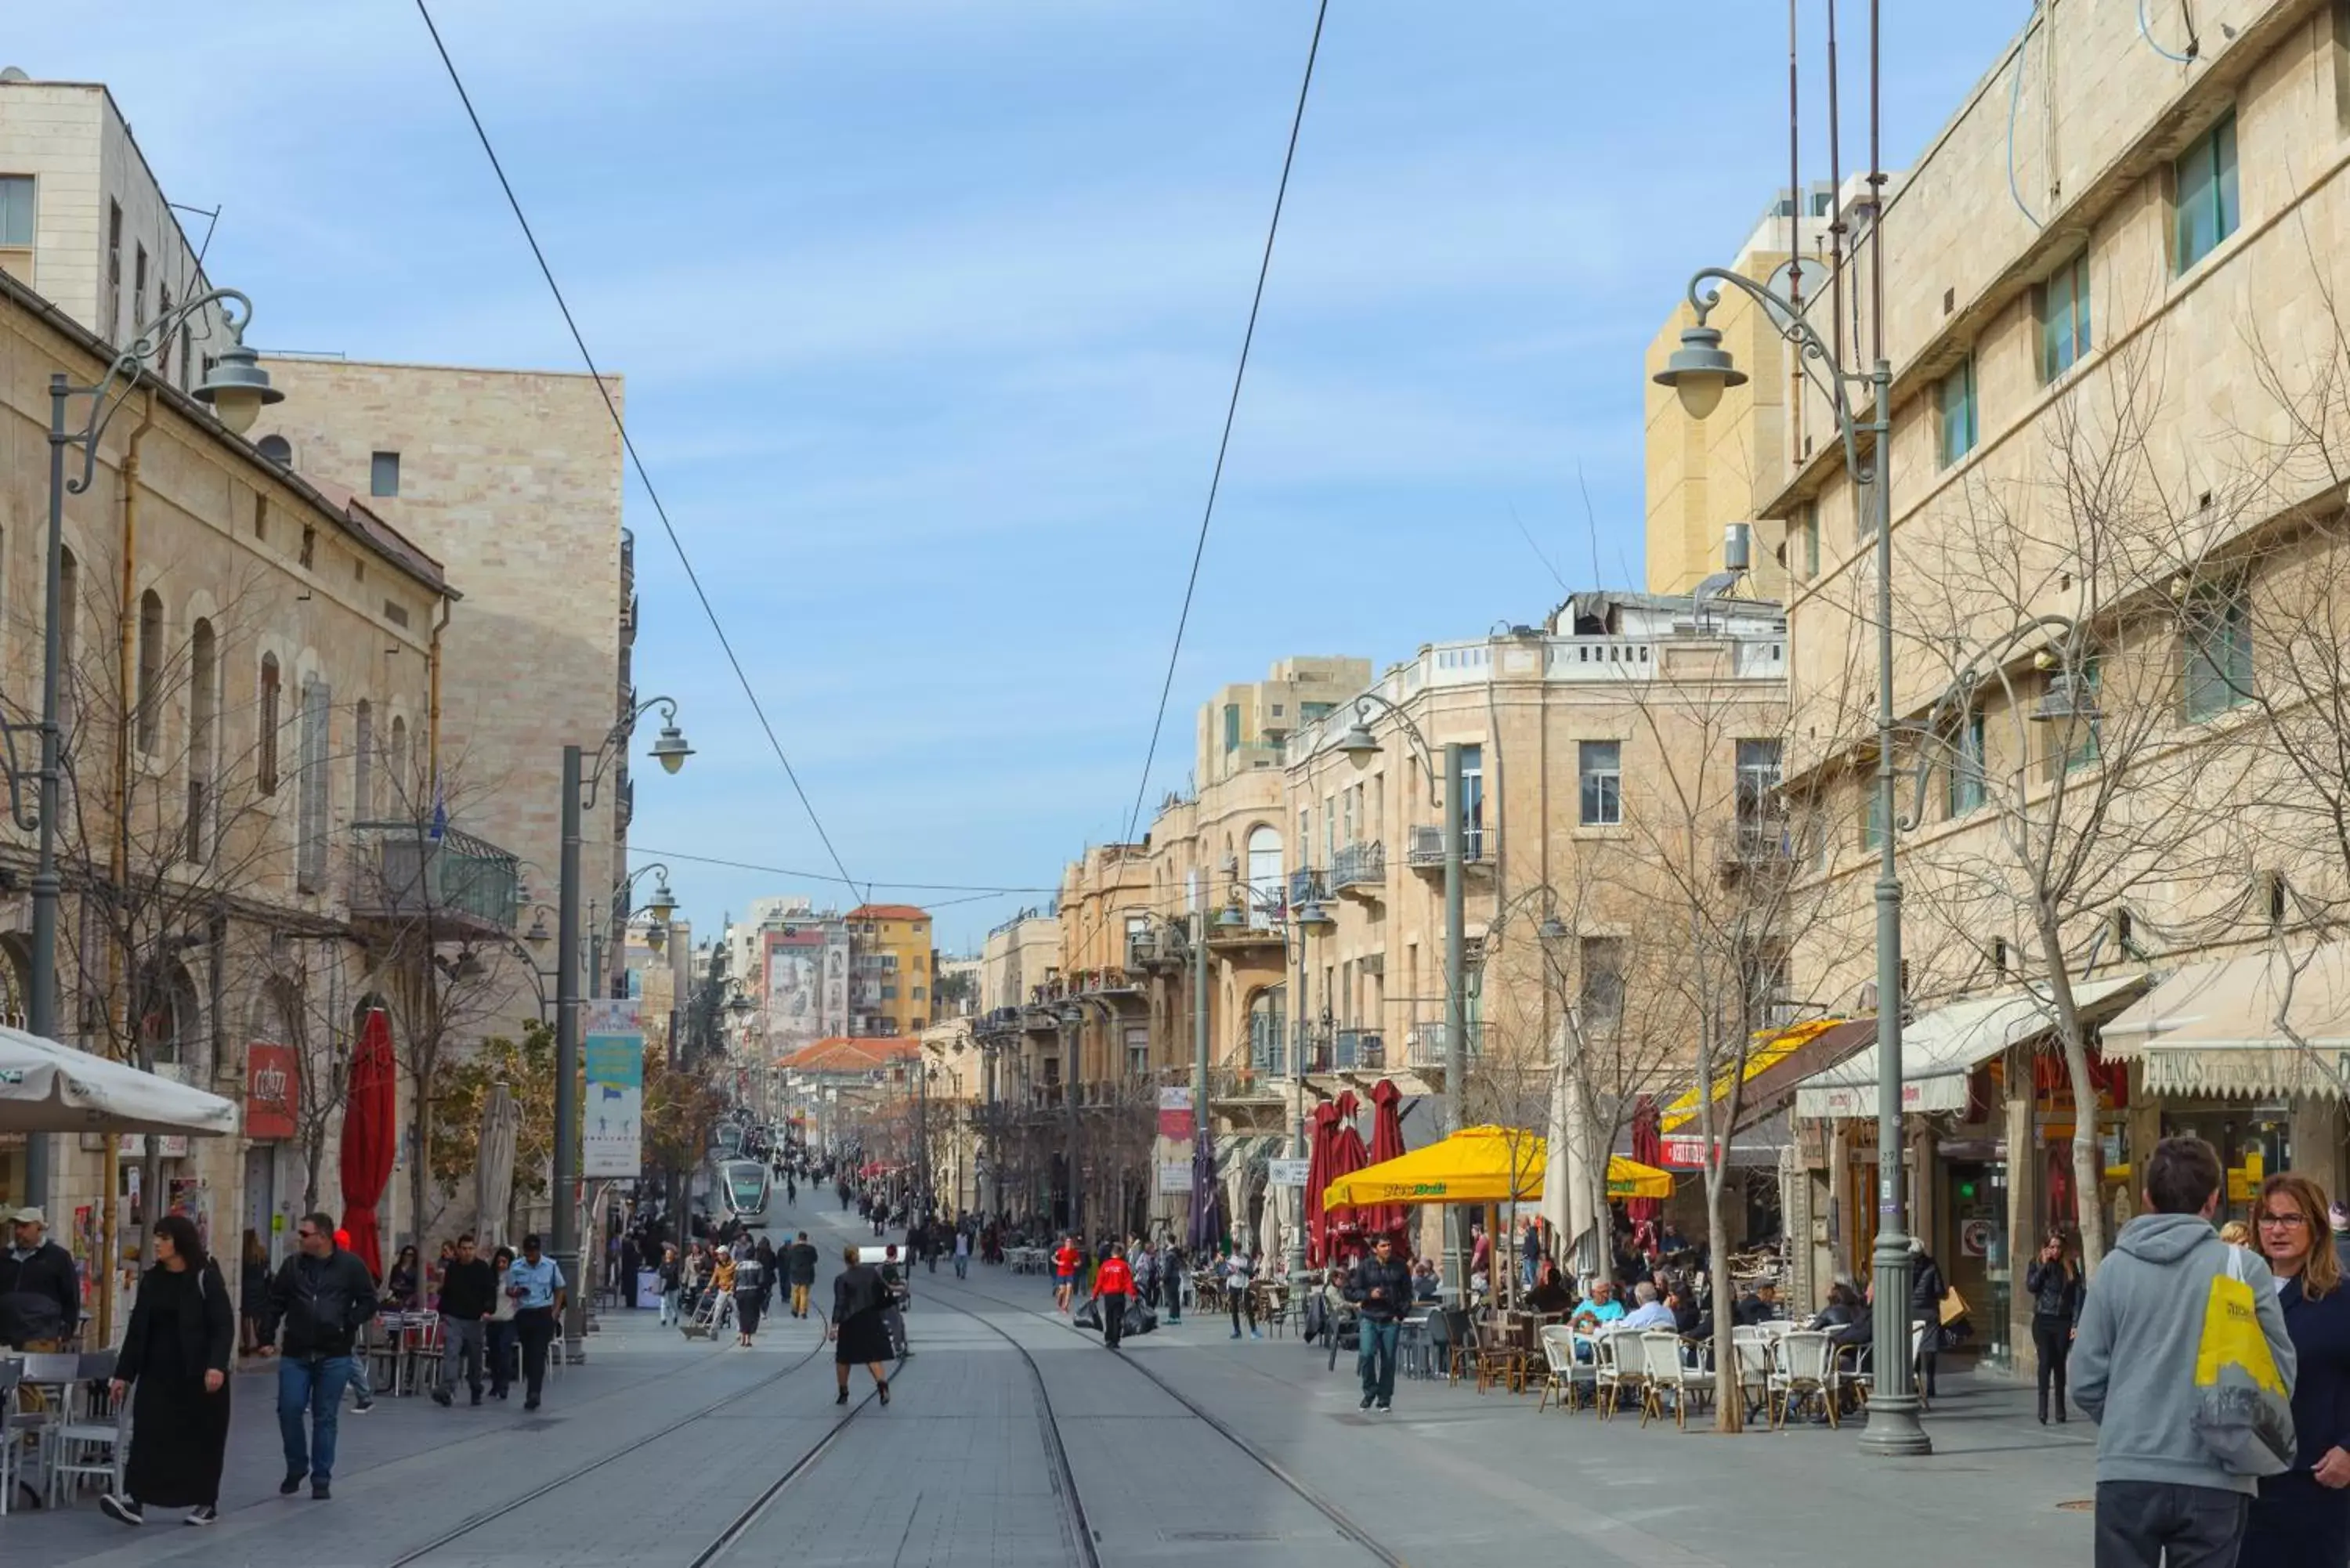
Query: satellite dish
[1715,585]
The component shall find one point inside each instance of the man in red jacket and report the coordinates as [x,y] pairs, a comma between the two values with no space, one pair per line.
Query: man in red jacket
[1113,1287]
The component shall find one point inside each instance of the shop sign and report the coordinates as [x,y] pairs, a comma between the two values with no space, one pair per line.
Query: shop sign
[1287,1172]
[1854,1101]
[2222,1072]
[1687,1153]
[1175,1118]
[270,1091]
[1175,1176]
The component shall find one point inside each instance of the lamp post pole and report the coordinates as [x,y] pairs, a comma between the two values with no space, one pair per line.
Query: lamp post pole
[1699,371]
[566,1250]
[1456,1001]
[1201,1171]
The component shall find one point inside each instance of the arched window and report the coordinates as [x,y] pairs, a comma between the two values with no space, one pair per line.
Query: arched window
[203,741]
[363,761]
[1263,873]
[266,767]
[277,449]
[396,766]
[150,670]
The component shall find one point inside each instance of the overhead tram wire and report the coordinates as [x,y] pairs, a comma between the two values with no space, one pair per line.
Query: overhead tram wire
[629,443]
[866,887]
[1232,409]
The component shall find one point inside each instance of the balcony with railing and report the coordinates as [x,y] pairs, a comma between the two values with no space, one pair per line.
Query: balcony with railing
[441,885]
[1235,928]
[1357,1049]
[1307,888]
[1759,842]
[1359,870]
[1424,1043]
[1160,948]
[1228,1085]
[1426,851]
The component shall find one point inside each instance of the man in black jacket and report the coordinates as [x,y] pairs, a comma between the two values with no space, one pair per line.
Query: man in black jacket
[800,1260]
[40,1296]
[318,1302]
[469,1294]
[1382,1286]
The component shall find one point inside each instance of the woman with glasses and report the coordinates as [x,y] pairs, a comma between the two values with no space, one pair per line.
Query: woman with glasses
[2302,1518]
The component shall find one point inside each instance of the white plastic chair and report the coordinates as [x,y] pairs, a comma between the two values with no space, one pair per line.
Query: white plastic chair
[1669,1374]
[1805,1370]
[12,1444]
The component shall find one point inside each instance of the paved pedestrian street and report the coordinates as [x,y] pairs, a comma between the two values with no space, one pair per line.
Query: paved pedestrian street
[1007,1427]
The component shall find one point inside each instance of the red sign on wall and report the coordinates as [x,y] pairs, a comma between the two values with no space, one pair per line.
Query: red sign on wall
[270,1091]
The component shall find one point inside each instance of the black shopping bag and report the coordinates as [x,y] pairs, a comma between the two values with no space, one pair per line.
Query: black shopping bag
[1088,1314]
[1139,1318]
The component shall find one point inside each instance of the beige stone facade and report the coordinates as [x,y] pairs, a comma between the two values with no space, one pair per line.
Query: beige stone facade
[513,478]
[234,675]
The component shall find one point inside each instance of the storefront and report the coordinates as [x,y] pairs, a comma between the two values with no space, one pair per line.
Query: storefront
[2251,1053]
[271,1105]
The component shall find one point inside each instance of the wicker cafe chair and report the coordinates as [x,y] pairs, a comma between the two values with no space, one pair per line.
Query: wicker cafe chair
[1755,1350]
[1805,1371]
[1669,1371]
[1564,1374]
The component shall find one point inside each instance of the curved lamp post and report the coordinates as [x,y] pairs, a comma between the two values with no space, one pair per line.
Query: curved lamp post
[581,777]
[1699,372]
[236,390]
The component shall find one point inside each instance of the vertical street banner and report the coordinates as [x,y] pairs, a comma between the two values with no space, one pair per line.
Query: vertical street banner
[1175,1120]
[613,1052]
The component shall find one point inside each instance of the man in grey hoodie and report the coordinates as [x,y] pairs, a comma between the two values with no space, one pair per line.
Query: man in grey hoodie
[2161,1497]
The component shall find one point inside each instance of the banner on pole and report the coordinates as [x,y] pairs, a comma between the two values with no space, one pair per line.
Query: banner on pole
[1175,1120]
[1175,1176]
[1287,1172]
[613,1052]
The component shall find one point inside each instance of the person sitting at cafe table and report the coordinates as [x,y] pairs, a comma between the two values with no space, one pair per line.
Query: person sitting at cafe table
[1761,1306]
[1551,1293]
[1843,1309]
[1601,1308]
[1425,1282]
[1646,1312]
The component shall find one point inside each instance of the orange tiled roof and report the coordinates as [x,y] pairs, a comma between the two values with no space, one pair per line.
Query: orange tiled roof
[848,1053]
[887,912]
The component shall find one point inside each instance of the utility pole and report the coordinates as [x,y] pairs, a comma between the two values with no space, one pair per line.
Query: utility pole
[1456,1003]
[1201,1170]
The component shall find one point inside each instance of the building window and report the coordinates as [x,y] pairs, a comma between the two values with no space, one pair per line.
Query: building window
[2205,179]
[918,994]
[311,809]
[395,767]
[1872,814]
[16,226]
[266,754]
[2064,317]
[1757,785]
[309,554]
[1807,552]
[114,271]
[363,761]
[383,474]
[1602,983]
[150,670]
[1599,766]
[1955,403]
[203,712]
[2218,648]
[1472,801]
[1966,779]
[1231,726]
[138,285]
[2074,742]
[1309,712]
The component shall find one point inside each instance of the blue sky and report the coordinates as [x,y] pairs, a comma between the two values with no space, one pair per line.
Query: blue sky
[929,312]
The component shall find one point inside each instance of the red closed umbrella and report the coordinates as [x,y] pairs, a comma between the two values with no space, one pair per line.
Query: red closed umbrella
[1649,1149]
[1347,1156]
[1317,1177]
[1386,1144]
[368,1134]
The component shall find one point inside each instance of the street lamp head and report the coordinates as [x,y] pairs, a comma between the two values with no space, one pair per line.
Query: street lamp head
[1359,744]
[2069,699]
[237,387]
[657,936]
[1229,918]
[740,1005]
[538,936]
[1700,370]
[663,903]
[1553,930]
[1312,917]
[670,750]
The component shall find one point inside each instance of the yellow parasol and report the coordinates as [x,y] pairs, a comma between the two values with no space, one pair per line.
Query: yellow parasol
[1481,1165]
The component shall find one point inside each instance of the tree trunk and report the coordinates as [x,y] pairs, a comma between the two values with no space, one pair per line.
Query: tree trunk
[2088,1156]
[1729,1403]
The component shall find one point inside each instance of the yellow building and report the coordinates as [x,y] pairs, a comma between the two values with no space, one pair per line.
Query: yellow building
[892,971]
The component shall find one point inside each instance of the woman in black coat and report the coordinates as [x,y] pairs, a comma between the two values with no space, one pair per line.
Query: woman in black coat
[860,1331]
[2302,1518]
[2054,1284]
[176,1353]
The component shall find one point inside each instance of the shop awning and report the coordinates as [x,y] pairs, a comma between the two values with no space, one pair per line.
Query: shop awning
[2212,1028]
[1939,1049]
[1768,1048]
[1481,1165]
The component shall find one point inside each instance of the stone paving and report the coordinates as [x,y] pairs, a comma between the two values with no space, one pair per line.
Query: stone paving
[957,1470]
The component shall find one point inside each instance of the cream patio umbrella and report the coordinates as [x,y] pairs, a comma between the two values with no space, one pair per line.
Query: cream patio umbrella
[1570,1204]
[493,1170]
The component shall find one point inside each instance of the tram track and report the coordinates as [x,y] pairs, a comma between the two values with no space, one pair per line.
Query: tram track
[1065,1477]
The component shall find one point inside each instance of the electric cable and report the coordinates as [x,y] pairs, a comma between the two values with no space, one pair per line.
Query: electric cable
[628,444]
[635,850]
[1231,411]
[2194,44]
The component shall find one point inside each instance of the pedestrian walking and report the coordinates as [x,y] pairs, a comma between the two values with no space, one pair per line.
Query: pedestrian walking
[469,1293]
[962,1254]
[252,1293]
[672,1287]
[803,1260]
[1113,1288]
[2302,1518]
[2162,1496]
[1171,1281]
[319,1300]
[1926,1289]
[537,1287]
[1380,1288]
[858,1334]
[2054,1284]
[894,1296]
[751,1277]
[504,1341]
[175,1355]
[1239,1272]
[1066,1260]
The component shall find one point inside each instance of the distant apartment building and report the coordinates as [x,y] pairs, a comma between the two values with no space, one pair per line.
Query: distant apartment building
[892,972]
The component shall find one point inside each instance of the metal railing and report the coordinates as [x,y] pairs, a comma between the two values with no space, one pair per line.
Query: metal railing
[1424,1043]
[1358,1048]
[1426,846]
[1356,864]
[413,873]
[1306,887]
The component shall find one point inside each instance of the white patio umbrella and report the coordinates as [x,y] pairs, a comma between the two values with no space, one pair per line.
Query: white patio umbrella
[1570,1200]
[47,1088]
[493,1171]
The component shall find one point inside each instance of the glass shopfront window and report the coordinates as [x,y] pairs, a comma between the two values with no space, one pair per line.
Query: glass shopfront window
[2255,1141]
